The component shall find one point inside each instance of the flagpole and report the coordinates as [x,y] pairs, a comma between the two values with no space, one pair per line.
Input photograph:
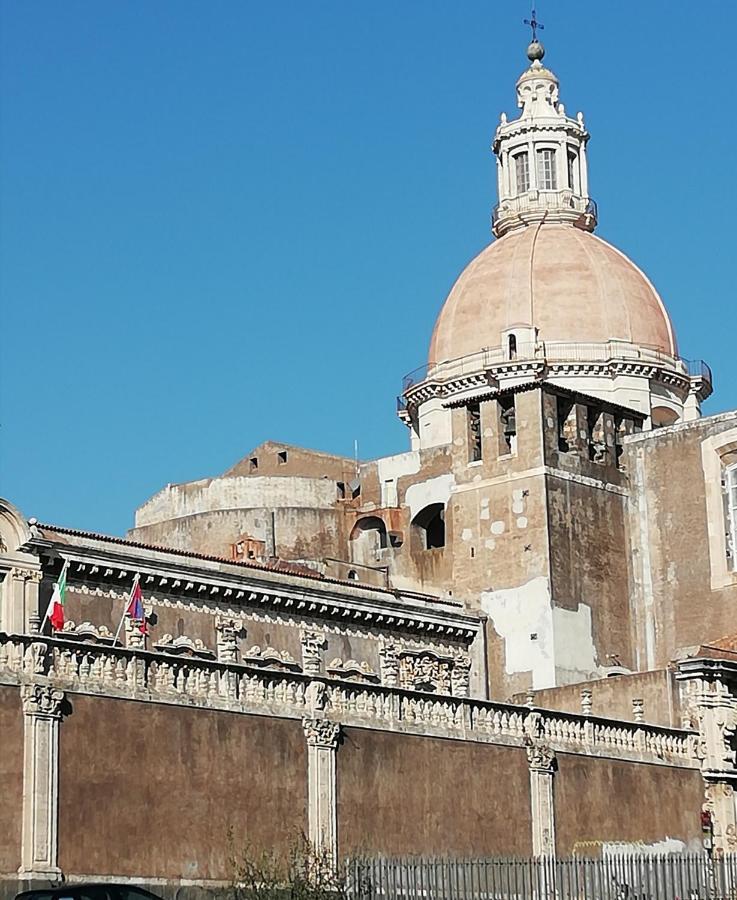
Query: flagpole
[51,600]
[125,608]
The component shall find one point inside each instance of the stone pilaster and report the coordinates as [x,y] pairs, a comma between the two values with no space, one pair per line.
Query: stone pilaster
[322,742]
[19,611]
[712,702]
[313,643]
[42,706]
[542,771]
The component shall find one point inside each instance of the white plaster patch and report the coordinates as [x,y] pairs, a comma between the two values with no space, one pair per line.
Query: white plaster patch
[484,501]
[434,490]
[490,543]
[518,507]
[563,636]
[497,527]
[516,613]
[484,514]
[621,848]
[466,534]
[517,494]
[522,522]
[390,469]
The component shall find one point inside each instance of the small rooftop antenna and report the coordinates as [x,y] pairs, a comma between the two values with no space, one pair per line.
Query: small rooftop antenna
[534,25]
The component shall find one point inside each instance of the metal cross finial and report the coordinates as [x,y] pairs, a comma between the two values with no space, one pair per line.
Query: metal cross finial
[534,24]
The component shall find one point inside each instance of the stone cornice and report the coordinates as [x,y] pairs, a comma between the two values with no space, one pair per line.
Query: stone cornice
[180,579]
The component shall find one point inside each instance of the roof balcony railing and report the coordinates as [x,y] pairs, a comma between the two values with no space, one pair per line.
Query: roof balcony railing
[555,352]
[539,205]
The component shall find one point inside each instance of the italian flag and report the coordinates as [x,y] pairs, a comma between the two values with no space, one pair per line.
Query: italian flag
[56,604]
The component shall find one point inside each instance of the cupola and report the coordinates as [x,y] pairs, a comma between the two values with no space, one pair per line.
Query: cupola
[541,157]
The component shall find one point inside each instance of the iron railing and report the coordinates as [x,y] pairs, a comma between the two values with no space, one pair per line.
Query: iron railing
[615,876]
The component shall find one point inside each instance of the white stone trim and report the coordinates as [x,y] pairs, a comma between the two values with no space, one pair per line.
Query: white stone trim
[39,843]
[712,450]
[542,808]
[322,737]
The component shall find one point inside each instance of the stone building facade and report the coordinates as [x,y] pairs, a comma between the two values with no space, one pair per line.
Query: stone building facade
[513,638]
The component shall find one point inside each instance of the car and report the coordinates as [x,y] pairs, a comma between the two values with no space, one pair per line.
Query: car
[89,891]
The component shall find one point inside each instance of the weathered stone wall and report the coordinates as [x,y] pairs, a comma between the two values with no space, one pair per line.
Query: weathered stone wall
[682,591]
[613,697]
[601,801]
[400,794]
[152,790]
[11,779]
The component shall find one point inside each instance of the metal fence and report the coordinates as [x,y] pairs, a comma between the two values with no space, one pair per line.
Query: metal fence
[613,877]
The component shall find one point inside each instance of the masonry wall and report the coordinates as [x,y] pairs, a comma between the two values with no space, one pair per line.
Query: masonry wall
[401,794]
[149,790]
[11,779]
[683,592]
[599,801]
[612,697]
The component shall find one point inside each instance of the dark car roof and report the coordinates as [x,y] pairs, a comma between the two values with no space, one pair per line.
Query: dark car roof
[70,888]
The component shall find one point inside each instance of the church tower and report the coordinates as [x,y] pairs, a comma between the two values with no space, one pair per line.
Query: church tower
[550,349]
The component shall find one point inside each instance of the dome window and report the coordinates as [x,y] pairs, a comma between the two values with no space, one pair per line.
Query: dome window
[512,346]
[573,171]
[547,176]
[522,172]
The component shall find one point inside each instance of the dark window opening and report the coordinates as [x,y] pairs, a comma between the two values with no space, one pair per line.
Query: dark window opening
[508,424]
[281,457]
[340,485]
[253,464]
[513,346]
[566,425]
[375,526]
[430,523]
[473,418]
[356,492]
[353,575]
[395,539]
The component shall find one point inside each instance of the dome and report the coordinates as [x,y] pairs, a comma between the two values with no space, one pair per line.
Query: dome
[568,283]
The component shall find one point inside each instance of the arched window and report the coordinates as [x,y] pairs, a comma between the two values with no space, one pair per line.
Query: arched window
[512,346]
[573,170]
[352,575]
[522,172]
[368,541]
[662,416]
[547,176]
[429,524]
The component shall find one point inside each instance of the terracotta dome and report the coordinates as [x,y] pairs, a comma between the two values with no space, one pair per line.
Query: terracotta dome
[573,286]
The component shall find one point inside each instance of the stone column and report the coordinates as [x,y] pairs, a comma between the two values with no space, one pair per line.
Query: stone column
[41,716]
[322,742]
[542,770]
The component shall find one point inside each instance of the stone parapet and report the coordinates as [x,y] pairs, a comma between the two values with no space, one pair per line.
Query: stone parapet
[76,666]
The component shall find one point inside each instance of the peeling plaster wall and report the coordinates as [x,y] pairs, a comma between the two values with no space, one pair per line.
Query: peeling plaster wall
[239,492]
[423,493]
[390,469]
[554,645]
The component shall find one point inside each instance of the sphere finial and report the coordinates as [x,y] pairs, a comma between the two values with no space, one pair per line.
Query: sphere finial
[535,51]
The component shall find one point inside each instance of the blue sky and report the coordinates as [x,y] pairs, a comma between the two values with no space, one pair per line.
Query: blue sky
[227,222]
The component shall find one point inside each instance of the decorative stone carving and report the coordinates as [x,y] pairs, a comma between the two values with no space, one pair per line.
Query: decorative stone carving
[317,696]
[271,658]
[352,670]
[313,643]
[321,732]
[228,631]
[720,802]
[587,702]
[135,633]
[183,646]
[389,665]
[541,758]
[424,670]
[460,676]
[41,700]
[36,658]
[86,631]
[638,709]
